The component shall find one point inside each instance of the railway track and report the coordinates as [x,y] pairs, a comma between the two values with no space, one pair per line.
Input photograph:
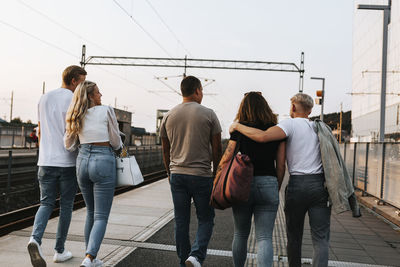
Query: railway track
[19,186]
[24,217]
[20,169]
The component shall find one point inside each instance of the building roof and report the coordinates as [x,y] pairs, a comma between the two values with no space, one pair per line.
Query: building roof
[138,131]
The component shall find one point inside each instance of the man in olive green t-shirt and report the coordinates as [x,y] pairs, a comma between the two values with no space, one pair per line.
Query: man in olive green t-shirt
[191,139]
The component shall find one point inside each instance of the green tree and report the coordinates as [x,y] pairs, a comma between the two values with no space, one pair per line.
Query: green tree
[16,120]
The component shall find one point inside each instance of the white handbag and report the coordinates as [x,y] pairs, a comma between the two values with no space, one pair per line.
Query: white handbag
[128,171]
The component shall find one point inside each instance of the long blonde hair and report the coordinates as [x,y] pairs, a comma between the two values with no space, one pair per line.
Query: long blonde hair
[78,107]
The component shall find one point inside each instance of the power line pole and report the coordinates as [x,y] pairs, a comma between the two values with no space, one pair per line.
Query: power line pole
[386,20]
[12,103]
[44,87]
[340,123]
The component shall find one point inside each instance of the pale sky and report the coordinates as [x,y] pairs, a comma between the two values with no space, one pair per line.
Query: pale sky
[40,38]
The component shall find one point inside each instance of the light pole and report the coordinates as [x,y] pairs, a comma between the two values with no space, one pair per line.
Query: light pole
[386,21]
[322,96]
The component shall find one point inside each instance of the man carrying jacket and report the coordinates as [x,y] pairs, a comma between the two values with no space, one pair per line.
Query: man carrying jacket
[306,191]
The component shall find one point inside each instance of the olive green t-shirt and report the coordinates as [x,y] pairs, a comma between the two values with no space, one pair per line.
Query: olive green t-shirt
[189,127]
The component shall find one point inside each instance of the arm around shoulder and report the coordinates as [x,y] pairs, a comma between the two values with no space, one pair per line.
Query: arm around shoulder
[271,134]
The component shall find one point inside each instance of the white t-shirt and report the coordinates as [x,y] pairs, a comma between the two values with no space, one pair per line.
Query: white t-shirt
[52,109]
[303,153]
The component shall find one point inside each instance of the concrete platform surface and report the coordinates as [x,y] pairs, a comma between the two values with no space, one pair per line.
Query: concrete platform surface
[135,215]
[141,233]
[355,242]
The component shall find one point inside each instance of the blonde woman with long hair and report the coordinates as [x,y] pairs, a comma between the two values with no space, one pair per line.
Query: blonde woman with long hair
[94,128]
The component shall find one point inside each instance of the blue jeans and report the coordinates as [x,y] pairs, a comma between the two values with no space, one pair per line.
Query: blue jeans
[184,188]
[263,203]
[96,172]
[51,181]
[307,193]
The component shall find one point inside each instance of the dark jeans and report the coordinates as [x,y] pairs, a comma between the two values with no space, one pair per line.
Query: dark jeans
[184,188]
[307,193]
[51,181]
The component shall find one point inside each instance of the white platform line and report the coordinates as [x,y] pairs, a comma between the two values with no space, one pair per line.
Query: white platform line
[129,246]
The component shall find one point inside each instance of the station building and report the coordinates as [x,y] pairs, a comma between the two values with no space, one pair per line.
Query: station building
[366,72]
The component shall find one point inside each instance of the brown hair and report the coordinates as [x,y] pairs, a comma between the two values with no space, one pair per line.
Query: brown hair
[189,85]
[72,72]
[254,109]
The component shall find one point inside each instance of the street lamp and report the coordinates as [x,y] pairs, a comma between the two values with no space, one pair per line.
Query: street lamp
[322,95]
[386,21]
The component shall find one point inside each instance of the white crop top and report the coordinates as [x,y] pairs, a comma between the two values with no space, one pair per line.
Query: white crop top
[99,125]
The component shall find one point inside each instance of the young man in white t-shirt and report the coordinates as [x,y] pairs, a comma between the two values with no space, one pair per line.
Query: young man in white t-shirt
[57,172]
[306,191]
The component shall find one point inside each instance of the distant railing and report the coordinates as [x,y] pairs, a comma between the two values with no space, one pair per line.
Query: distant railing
[16,136]
[19,186]
[374,169]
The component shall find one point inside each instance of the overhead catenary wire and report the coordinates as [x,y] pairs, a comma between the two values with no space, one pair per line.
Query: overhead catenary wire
[372,93]
[166,25]
[77,35]
[94,44]
[169,29]
[142,28]
[73,55]
[86,40]
[136,84]
[76,57]
[63,27]
[39,39]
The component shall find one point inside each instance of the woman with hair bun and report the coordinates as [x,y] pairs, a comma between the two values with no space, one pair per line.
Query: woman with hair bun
[95,128]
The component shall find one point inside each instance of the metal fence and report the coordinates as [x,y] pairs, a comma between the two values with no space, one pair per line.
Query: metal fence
[15,136]
[19,187]
[375,169]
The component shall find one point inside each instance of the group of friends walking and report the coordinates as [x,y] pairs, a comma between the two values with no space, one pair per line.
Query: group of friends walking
[78,139]
[191,140]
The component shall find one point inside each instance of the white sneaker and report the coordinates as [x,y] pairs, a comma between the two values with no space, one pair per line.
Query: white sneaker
[61,257]
[192,262]
[35,252]
[97,263]
[87,263]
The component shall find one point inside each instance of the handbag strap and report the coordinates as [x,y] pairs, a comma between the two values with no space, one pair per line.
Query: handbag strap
[236,150]
[124,152]
[237,144]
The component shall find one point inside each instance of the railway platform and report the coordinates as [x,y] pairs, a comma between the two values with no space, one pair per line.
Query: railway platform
[141,233]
